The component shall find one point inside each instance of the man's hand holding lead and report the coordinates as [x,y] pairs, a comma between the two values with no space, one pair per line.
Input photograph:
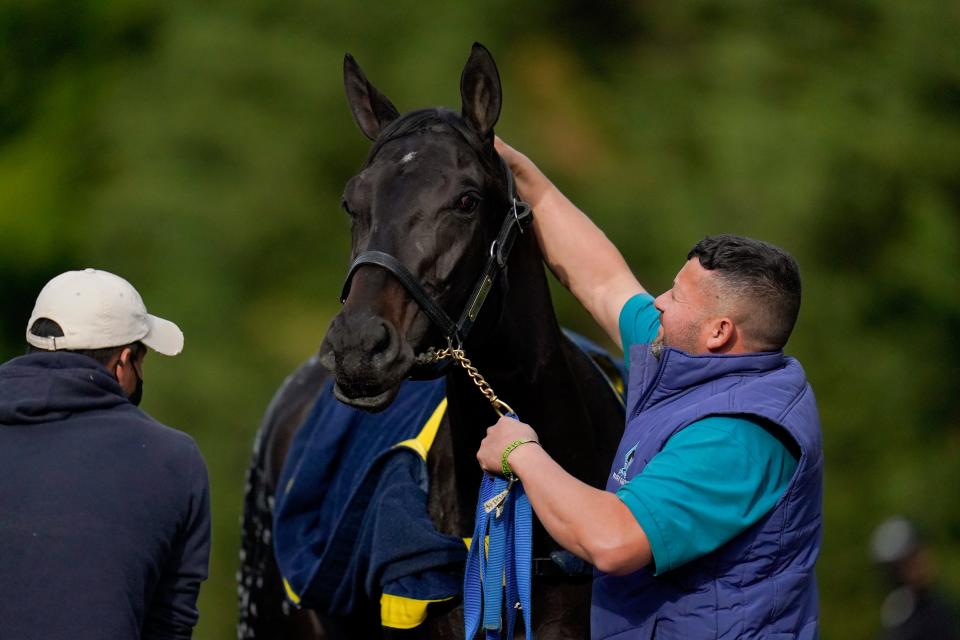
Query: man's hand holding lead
[499,437]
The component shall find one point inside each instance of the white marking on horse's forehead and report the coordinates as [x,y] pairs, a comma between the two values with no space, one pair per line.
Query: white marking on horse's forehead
[407,158]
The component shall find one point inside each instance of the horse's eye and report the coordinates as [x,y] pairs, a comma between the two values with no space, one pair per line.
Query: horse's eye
[468,203]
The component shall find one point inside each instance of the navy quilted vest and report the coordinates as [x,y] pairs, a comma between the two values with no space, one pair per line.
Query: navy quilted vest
[761,584]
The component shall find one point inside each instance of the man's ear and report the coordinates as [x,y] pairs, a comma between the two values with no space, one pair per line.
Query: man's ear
[127,356]
[132,358]
[723,335]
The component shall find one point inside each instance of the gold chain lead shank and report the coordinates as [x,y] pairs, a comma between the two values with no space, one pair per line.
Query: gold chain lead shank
[457,355]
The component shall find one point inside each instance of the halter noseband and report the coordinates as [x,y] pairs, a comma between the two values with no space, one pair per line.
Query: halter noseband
[517,219]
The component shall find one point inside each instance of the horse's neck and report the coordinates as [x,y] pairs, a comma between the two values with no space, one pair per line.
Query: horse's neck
[529,364]
[520,336]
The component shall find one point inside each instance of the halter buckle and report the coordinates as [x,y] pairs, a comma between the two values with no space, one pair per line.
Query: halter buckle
[516,216]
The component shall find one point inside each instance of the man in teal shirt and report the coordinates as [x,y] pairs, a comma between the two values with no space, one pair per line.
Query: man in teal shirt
[713,479]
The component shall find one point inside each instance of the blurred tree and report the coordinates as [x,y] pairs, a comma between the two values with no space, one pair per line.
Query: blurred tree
[200,151]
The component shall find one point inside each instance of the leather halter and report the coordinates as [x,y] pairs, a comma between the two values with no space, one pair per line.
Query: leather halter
[518,217]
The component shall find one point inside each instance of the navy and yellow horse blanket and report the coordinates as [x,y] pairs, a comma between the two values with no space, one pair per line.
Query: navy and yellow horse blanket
[350,520]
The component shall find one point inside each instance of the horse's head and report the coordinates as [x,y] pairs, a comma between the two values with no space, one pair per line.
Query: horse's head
[431,197]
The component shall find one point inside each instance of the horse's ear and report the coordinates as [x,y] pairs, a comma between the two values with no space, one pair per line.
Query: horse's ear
[371,109]
[480,91]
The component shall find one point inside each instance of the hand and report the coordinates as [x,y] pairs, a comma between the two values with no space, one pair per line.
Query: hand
[498,437]
[531,183]
[514,159]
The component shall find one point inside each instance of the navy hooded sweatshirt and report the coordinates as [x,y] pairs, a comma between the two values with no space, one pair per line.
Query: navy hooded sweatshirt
[104,512]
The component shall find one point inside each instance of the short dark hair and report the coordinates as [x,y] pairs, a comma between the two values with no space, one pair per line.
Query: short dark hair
[764,276]
[47,328]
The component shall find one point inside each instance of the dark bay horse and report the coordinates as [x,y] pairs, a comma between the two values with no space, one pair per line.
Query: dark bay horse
[433,194]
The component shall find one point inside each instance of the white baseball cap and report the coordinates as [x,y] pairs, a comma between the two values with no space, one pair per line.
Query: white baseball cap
[96,310]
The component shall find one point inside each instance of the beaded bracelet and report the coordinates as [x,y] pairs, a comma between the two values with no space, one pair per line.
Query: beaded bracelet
[504,465]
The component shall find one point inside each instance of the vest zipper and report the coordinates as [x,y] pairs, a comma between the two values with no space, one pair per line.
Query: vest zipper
[661,365]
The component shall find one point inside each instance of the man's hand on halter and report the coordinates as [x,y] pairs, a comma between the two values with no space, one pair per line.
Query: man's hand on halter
[575,249]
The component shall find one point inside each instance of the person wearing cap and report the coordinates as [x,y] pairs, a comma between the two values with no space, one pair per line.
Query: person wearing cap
[104,512]
[710,522]
[916,608]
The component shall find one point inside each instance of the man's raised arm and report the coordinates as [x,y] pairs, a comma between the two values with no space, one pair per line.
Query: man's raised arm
[576,250]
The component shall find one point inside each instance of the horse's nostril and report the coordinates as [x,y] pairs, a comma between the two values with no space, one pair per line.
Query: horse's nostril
[377,338]
[383,337]
[366,353]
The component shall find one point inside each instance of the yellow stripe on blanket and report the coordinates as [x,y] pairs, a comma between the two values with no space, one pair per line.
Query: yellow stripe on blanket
[291,594]
[398,612]
[424,440]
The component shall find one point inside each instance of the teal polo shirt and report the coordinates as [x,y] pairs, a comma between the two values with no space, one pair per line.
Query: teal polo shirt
[711,481]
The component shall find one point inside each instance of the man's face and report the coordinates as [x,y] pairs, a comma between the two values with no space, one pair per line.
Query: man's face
[686,308]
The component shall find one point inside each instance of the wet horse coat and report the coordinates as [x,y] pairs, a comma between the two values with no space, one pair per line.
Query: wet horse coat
[432,193]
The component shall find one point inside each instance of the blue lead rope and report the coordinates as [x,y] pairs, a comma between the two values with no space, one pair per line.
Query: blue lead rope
[503,515]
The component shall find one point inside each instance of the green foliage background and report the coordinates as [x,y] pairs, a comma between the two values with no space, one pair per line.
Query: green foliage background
[199,149]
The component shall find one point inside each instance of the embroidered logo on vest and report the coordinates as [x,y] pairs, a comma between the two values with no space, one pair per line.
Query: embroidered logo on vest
[621,474]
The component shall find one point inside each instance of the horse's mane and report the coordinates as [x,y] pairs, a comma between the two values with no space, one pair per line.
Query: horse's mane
[438,121]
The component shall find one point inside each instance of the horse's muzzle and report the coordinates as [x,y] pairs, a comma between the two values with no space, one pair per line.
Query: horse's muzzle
[367,357]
